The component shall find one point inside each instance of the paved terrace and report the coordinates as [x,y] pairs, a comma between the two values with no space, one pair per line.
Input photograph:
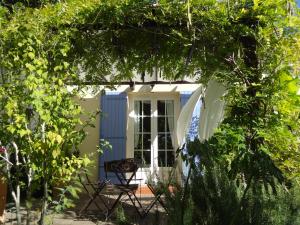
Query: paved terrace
[93,216]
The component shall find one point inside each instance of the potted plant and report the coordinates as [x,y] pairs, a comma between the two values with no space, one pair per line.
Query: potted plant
[3,190]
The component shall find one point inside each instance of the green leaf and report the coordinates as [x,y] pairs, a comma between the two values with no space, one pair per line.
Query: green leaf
[31,55]
[30,66]
[22,133]
[58,68]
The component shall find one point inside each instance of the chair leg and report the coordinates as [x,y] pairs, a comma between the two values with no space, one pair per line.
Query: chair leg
[111,210]
[103,201]
[85,207]
[162,204]
[92,199]
[133,202]
[97,195]
[89,202]
[149,207]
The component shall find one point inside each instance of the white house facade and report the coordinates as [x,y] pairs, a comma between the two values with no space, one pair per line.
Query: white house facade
[139,122]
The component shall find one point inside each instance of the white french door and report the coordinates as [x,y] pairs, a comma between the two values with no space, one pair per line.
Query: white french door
[151,132]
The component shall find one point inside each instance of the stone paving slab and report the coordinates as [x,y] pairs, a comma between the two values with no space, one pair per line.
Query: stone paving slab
[62,221]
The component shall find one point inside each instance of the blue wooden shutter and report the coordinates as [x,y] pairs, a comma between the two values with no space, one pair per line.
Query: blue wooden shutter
[113,125]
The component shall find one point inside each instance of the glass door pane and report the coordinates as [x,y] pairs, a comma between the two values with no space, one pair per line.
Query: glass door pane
[165,133]
[142,132]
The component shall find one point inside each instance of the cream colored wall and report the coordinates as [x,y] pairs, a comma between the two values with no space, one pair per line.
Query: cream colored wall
[89,145]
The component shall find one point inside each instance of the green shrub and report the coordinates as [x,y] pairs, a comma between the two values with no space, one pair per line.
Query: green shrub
[213,197]
[220,198]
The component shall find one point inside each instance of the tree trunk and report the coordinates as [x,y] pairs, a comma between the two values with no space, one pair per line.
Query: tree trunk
[45,203]
[16,193]
[251,62]
[45,184]
[185,190]
[3,193]
[18,206]
[28,203]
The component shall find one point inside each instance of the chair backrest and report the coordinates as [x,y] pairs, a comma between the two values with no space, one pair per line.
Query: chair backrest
[121,166]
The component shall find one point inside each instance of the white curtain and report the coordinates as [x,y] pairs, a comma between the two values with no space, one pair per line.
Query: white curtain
[170,119]
[184,119]
[212,110]
[136,123]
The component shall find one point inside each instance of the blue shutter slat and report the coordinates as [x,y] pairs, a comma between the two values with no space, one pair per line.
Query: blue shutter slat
[113,127]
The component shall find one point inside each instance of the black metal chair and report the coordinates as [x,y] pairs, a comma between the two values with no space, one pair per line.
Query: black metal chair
[93,190]
[157,192]
[125,172]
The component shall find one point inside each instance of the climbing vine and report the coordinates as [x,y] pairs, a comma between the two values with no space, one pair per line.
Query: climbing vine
[251,46]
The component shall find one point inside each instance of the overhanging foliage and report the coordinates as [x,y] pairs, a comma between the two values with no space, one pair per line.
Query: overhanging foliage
[180,38]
